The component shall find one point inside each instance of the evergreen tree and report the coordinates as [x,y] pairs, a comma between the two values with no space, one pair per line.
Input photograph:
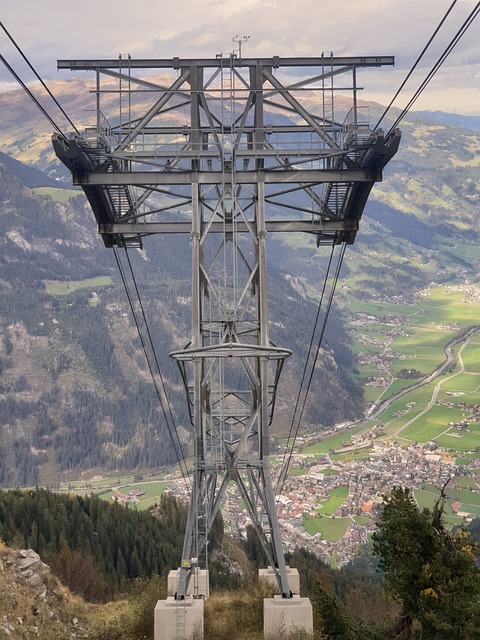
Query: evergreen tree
[431,572]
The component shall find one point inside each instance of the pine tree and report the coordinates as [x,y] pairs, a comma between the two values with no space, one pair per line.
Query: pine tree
[430,571]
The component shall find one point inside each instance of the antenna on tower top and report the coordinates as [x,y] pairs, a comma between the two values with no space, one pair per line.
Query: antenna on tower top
[240,39]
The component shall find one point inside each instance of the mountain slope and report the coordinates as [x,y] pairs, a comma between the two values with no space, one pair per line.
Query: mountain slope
[76,393]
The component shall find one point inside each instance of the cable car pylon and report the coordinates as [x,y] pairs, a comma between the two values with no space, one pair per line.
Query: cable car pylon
[228,150]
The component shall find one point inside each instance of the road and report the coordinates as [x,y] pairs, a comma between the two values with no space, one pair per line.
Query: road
[376,410]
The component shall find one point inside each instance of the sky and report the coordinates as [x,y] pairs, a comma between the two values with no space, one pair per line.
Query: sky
[47,30]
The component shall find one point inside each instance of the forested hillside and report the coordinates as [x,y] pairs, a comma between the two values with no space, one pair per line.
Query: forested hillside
[75,389]
[421,580]
[95,546]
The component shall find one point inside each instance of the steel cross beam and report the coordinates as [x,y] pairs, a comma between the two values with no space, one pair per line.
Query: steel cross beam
[228,150]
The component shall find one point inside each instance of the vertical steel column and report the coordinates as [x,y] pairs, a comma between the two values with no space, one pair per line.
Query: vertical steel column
[271,511]
[190,544]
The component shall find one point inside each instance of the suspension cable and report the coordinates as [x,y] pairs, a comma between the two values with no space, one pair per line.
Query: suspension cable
[305,366]
[407,77]
[287,460]
[452,44]
[176,444]
[153,350]
[38,77]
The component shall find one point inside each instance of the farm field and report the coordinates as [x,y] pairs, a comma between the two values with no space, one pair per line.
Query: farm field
[96,485]
[64,288]
[432,424]
[349,456]
[332,529]
[58,195]
[336,498]
[471,357]
[466,384]
[153,493]
[416,341]
[153,487]
[335,442]
[461,441]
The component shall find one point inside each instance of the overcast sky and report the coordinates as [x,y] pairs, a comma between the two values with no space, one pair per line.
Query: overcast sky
[48,30]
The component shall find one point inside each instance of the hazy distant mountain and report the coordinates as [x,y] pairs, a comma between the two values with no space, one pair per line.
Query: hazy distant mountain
[29,176]
[472,123]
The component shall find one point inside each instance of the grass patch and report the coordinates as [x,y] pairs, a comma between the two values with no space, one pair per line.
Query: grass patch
[297,471]
[328,471]
[362,520]
[464,482]
[349,456]
[431,424]
[461,440]
[62,288]
[331,529]
[56,194]
[336,498]
[330,444]
[471,357]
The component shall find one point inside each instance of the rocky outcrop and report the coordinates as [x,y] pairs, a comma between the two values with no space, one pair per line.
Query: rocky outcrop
[34,604]
[29,566]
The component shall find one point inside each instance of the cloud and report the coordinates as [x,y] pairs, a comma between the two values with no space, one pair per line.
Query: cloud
[203,28]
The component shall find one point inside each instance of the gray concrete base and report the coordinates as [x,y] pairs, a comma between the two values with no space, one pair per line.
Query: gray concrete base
[181,618]
[282,614]
[292,575]
[203,583]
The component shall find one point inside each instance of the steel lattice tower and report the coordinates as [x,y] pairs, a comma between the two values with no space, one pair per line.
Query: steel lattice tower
[221,151]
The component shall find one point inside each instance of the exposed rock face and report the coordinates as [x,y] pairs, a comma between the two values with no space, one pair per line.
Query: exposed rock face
[33,603]
[29,566]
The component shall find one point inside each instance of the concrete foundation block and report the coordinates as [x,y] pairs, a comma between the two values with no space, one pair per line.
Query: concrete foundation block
[292,575]
[174,619]
[203,583]
[286,614]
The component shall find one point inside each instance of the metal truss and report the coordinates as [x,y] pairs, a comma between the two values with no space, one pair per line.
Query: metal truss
[228,149]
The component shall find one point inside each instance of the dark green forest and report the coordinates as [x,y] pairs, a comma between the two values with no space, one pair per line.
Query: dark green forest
[75,390]
[418,581]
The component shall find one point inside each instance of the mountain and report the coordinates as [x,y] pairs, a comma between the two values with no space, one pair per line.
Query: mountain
[76,392]
[29,176]
[471,123]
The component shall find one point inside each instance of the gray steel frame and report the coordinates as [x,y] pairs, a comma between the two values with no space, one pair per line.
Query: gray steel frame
[218,149]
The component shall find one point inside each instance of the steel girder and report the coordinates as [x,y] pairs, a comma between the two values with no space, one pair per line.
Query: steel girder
[227,151]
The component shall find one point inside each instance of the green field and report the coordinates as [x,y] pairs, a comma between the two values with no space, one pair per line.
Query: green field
[461,440]
[330,444]
[58,195]
[463,383]
[349,456]
[431,424]
[427,327]
[297,471]
[471,357]
[62,288]
[466,483]
[153,493]
[104,483]
[332,529]
[336,498]
[328,471]
[472,510]
[362,520]
[456,495]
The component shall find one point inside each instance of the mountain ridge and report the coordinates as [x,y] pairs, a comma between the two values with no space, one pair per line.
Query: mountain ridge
[76,393]
[420,226]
